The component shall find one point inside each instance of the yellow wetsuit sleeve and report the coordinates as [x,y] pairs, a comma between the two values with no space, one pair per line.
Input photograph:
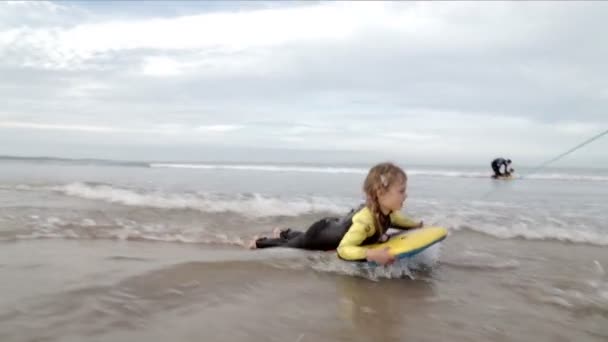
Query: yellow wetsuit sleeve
[350,246]
[398,220]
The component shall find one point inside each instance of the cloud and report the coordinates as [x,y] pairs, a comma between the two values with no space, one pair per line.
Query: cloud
[228,32]
[578,129]
[36,13]
[464,79]
[411,136]
[161,66]
[219,128]
[167,129]
[42,126]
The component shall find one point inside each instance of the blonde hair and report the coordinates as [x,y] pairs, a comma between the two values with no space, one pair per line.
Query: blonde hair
[378,180]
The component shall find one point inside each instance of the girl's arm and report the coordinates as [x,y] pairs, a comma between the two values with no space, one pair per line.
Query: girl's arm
[350,246]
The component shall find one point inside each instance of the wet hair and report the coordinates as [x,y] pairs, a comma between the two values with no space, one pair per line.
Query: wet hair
[378,180]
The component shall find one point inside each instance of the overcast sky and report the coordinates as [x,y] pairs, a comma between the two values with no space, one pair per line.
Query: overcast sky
[428,82]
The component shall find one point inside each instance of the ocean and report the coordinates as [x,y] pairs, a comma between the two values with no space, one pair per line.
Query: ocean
[96,250]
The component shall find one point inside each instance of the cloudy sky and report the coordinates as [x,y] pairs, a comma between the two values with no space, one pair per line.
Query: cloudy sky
[428,82]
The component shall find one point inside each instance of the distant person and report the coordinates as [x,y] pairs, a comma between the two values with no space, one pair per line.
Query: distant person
[497,164]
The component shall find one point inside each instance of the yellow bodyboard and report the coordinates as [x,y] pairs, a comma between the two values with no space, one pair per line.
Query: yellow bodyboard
[412,242]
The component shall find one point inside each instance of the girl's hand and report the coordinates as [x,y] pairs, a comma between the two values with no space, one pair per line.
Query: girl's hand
[380,256]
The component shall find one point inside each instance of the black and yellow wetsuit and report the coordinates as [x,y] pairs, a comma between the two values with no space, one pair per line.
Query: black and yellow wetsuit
[323,235]
[346,234]
[363,232]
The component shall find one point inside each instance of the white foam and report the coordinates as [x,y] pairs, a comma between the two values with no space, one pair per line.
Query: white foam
[364,170]
[401,268]
[500,220]
[591,299]
[254,205]
[599,268]
[54,228]
[564,176]
[472,259]
[447,173]
[269,168]
[539,232]
[516,221]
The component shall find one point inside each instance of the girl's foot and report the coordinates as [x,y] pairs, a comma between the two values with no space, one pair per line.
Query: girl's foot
[276,232]
[252,244]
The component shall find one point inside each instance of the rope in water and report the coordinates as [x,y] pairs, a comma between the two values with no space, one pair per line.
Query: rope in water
[554,159]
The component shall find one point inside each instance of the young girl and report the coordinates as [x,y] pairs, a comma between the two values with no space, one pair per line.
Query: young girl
[385,190]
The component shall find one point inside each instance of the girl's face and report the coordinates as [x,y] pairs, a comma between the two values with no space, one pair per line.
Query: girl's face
[394,197]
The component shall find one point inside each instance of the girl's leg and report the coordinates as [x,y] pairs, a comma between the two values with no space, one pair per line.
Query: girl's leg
[285,238]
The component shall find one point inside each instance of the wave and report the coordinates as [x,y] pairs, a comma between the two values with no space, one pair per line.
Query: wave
[255,205]
[534,232]
[482,264]
[129,230]
[364,170]
[269,168]
[586,298]
[37,227]
[76,161]
[598,176]
[123,230]
[572,177]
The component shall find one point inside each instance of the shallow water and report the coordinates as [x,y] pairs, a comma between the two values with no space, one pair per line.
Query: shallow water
[124,253]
